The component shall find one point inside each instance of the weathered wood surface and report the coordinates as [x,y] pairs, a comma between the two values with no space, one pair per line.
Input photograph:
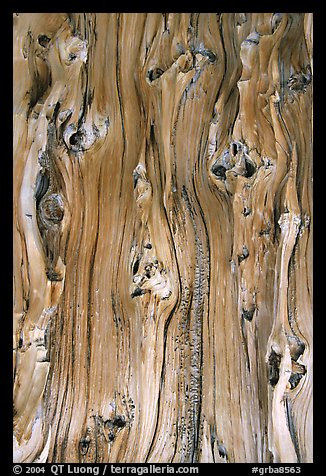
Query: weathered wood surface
[162,237]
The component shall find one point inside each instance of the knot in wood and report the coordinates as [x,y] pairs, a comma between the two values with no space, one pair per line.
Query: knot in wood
[84,445]
[52,208]
[219,171]
[298,82]
[274,361]
[154,73]
[43,40]
[119,421]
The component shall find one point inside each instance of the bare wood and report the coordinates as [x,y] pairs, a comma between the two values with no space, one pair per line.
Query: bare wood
[162,237]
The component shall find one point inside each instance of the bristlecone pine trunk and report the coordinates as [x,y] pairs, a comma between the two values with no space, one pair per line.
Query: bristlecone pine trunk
[162,237]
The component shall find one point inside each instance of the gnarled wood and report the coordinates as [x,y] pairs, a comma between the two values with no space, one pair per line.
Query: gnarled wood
[162,237]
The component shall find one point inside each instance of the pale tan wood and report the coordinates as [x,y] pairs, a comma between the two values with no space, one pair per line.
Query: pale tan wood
[163,237]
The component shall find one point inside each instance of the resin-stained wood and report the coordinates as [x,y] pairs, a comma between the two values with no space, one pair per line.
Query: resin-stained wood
[162,237]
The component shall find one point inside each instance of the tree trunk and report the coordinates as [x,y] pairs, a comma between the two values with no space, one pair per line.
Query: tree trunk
[162,237]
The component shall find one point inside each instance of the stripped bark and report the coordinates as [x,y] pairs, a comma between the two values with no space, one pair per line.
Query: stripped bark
[162,237]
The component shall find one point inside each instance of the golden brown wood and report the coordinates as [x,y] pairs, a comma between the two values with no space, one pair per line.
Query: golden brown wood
[162,237]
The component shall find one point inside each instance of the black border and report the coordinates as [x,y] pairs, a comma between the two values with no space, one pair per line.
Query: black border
[319,202]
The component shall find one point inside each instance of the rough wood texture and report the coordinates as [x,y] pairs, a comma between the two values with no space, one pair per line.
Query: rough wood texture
[162,237]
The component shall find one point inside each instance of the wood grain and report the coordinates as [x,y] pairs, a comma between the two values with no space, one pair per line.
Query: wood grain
[162,237]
